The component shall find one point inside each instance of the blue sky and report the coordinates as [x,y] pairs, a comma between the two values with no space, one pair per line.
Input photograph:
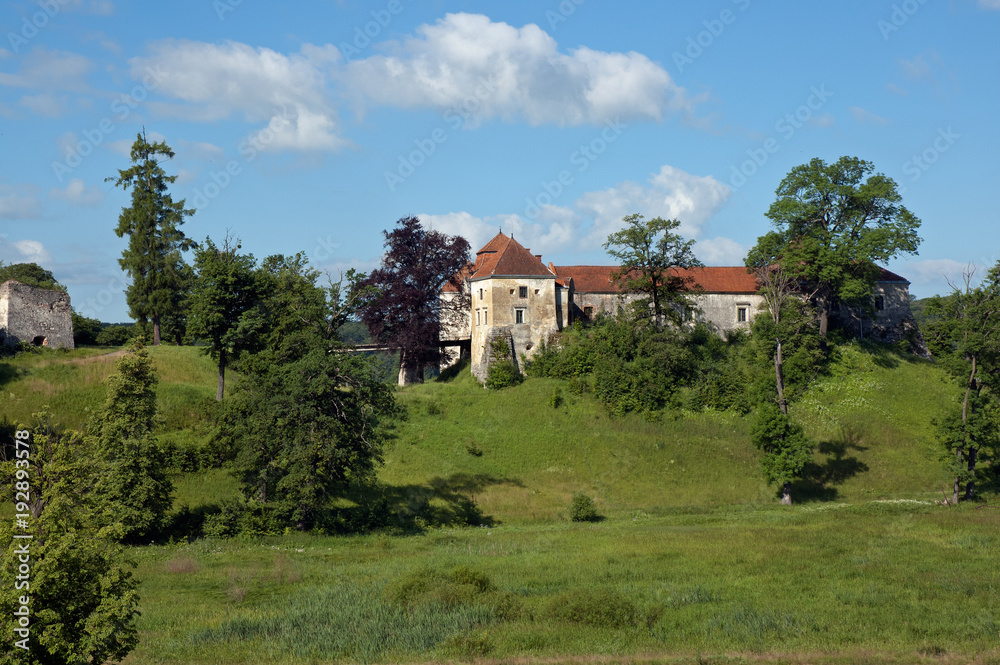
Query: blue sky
[314,126]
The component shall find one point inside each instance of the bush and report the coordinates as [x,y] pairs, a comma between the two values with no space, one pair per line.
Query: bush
[502,372]
[115,335]
[582,509]
[599,608]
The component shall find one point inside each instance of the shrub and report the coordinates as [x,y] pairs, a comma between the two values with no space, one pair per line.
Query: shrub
[599,608]
[582,509]
[556,400]
[502,372]
[115,335]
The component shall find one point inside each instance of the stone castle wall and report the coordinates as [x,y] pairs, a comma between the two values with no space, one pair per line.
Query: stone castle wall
[36,316]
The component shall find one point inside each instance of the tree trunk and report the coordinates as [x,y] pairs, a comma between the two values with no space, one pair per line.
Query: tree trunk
[779,379]
[222,376]
[824,322]
[786,494]
[970,488]
[954,491]
[408,375]
[156,330]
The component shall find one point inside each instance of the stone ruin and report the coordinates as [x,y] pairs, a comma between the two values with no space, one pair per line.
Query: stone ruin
[41,317]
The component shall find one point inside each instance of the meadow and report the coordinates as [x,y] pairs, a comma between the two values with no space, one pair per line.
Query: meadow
[693,560]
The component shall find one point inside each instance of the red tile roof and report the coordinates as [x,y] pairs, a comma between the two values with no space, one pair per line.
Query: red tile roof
[510,260]
[597,279]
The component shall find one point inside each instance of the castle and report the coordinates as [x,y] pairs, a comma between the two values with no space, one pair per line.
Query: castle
[512,294]
[41,317]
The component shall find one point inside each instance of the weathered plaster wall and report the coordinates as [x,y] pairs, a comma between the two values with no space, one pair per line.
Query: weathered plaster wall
[893,323]
[29,314]
[609,303]
[721,310]
[498,307]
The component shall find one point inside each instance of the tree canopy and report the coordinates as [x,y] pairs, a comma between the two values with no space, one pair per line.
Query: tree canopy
[833,224]
[647,251]
[31,274]
[227,303]
[406,308]
[153,258]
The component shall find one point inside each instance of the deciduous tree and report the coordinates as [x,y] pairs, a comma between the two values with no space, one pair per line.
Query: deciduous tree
[31,274]
[227,304]
[647,253]
[965,335]
[834,223]
[785,446]
[153,258]
[406,310]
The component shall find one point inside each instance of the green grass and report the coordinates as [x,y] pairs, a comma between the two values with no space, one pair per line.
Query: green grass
[695,561]
[878,582]
[71,384]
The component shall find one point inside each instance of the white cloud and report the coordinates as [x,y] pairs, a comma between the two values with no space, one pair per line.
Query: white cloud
[23,251]
[896,90]
[18,202]
[482,70]
[929,271]
[867,117]
[42,69]
[286,93]
[46,104]
[200,150]
[671,194]
[585,225]
[822,120]
[989,4]
[720,252]
[77,193]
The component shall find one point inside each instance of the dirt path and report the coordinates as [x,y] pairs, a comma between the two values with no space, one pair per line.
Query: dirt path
[103,356]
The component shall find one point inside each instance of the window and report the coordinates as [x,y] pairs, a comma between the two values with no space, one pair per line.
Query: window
[741,314]
[522,292]
[486,317]
[480,294]
[588,312]
[880,303]
[518,316]
[479,317]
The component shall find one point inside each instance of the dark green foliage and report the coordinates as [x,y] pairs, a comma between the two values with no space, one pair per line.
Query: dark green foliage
[85,330]
[227,304]
[31,274]
[302,430]
[646,252]
[83,599]
[784,444]
[153,258]
[116,334]
[460,586]
[833,223]
[582,509]
[134,486]
[598,608]
[502,372]
[556,400]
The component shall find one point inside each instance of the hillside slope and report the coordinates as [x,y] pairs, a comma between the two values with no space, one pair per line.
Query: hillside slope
[524,458]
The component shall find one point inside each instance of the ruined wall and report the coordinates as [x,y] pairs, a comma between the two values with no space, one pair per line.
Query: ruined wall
[36,316]
[892,323]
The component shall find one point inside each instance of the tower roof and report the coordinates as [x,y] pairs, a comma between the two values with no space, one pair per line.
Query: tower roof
[505,256]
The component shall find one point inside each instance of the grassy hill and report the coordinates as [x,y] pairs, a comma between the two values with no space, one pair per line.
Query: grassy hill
[694,562]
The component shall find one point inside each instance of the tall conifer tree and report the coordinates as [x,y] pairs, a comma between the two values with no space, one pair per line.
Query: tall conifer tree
[153,258]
